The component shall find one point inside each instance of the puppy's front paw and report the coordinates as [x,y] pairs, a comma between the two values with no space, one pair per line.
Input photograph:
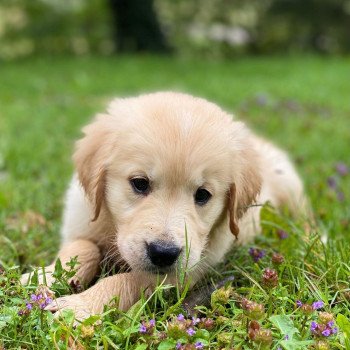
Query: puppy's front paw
[82,307]
[43,278]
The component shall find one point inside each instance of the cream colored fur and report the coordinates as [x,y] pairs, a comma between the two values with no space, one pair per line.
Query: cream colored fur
[180,143]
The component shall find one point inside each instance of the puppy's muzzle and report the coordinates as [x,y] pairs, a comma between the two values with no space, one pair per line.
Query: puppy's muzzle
[162,254]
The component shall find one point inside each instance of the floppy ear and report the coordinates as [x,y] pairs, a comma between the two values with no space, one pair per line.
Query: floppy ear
[91,160]
[244,190]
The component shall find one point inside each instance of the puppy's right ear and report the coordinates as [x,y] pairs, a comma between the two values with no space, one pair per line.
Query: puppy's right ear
[247,180]
[91,159]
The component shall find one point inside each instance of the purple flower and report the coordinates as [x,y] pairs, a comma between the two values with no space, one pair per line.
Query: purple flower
[342,169]
[317,305]
[282,234]
[143,329]
[33,297]
[29,306]
[286,337]
[261,99]
[321,329]
[48,301]
[195,320]
[299,303]
[256,254]
[178,346]
[330,324]
[332,182]
[313,326]
[181,317]
[191,332]
[152,322]
[198,345]
[326,332]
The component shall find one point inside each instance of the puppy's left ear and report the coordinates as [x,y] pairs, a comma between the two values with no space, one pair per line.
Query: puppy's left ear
[91,160]
[245,188]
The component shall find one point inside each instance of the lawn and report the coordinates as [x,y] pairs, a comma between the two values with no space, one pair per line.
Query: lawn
[302,103]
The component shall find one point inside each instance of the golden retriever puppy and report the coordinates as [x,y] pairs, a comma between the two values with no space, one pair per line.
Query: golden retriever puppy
[157,175]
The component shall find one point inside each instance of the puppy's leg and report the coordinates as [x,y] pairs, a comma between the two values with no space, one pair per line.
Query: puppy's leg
[88,257]
[126,286]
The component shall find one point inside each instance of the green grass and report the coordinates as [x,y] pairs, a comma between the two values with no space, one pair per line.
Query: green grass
[302,103]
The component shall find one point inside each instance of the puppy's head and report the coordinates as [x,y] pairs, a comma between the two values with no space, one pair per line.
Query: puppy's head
[168,168]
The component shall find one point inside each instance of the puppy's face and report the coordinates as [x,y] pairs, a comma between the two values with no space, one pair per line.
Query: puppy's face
[163,165]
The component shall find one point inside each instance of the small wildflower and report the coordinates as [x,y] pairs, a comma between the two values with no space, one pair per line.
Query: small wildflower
[330,324]
[262,99]
[221,295]
[40,299]
[143,329]
[323,330]
[313,326]
[326,318]
[327,332]
[270,278]
[332,182]
[147,327]
[299,303]
[162,336]
[342,169]
[176,329]
[286,337]
[222,320]
[224,337]
[23,313]
[252,309]
[261,336]
[307,309]
[195,320]
[277,258]
[191,332]
[206,323]
[282,234]
[256,254]
[180,317]
[198,345]
[317,305]
[178,346]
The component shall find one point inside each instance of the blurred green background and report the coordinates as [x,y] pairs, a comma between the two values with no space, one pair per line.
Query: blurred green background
[213,28]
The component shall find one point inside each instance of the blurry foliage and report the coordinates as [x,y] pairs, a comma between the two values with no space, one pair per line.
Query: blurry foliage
[228,27]
[207,27]
[54,26]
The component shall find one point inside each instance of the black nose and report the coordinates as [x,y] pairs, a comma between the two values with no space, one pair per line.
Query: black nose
[162,254]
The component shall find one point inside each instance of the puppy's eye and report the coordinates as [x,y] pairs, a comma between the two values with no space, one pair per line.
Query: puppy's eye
[140,185]
[202,196]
